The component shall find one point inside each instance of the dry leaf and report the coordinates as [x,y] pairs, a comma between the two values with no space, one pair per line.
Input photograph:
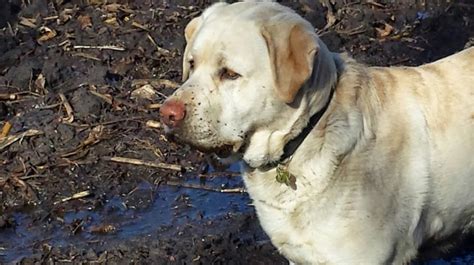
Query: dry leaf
[85,21]
[96,2]
[112,21]
[46,34]
[94,135]
[144,92]
[40,82]
[65,16]
[112,7]
[386,31]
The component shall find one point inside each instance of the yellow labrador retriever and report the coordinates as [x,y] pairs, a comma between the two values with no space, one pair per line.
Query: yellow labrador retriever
[346,164]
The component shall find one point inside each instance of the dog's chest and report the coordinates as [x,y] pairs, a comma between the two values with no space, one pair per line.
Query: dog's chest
[285,215]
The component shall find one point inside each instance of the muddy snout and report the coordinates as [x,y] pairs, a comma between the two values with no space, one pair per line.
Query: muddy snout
[172,113]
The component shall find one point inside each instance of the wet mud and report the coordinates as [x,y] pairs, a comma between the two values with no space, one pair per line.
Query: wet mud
[86,173]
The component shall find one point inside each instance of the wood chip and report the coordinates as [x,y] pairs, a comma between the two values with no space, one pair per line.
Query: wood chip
[6,129]
[46,34]
[153,124]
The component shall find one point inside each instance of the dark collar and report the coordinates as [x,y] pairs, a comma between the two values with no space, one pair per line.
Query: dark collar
[291,147]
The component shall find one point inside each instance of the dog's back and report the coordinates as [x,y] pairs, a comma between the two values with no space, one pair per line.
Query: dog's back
[435,102]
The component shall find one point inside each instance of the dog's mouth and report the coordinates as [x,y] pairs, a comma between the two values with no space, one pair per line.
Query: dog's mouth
[222,151]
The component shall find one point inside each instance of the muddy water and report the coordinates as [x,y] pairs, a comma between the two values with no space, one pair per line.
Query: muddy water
[171,207]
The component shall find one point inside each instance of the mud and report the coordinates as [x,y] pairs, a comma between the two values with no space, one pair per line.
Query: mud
[75,82]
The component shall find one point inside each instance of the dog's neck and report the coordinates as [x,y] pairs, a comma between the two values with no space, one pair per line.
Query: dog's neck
[268,148]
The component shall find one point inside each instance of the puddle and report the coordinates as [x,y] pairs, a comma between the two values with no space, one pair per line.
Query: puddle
[171,207]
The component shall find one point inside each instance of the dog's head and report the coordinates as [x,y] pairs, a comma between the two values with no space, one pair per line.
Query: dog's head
[254,74]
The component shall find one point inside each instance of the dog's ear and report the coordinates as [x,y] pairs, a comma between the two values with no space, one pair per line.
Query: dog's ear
[292,47]
[189,33]
[191,28]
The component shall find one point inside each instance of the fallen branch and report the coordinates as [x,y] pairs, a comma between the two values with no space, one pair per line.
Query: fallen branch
[139,162]
[105,47]
[7,141]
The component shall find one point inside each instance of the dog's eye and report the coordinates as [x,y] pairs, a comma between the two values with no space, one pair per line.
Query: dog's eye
[227,74]
[191,64]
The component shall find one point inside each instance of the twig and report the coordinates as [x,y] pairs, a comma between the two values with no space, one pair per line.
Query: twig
[154,106]
[7,96]
[86,55]
[105,97]
[94,137]
[351,32]
[105,122]
[371,2]
[52,106]
[105,47]
[67,106]
[158,48]
[139,162]
[400,61]
[115,102]
[78,195]
[130,105]
[207,188]
[7,141]
[140,26]
[220,174]
[33,176]
[156,83]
